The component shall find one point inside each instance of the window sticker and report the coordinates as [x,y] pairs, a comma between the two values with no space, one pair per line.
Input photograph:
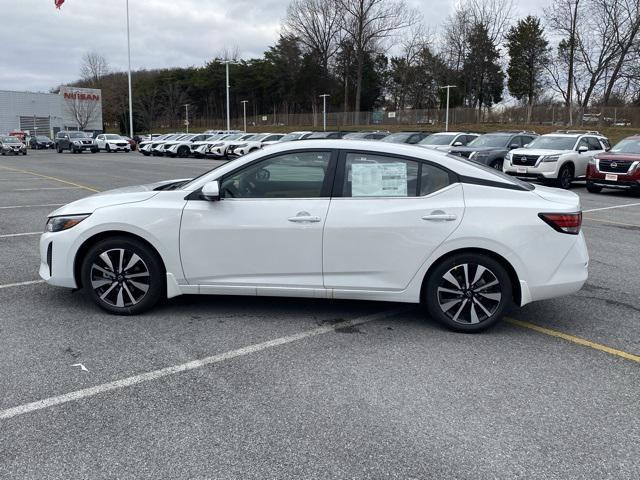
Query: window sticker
[379,180]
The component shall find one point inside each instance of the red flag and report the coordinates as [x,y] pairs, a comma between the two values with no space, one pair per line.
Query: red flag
[58,3]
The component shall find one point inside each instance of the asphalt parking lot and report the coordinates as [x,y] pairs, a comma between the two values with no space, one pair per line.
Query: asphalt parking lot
[293,388]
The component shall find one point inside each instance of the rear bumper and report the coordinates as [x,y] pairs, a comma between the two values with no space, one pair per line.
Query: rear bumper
[568,278]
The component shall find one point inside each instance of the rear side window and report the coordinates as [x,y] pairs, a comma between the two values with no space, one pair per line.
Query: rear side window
[368,175]
[593,143]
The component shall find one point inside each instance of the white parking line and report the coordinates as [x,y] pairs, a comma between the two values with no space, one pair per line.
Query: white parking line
[11,235]
[610,208]
[32,206]
[184,367]
[21,284]
[46,188]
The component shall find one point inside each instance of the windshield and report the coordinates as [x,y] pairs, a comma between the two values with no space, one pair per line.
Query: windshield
[235,136]
[10,140]
[491,140]
[396,137]
[43,139]
[627,146]
[77,135]
[111,136]
[355,135]
[438,139]
[291,136]
[553,142]
[256,138]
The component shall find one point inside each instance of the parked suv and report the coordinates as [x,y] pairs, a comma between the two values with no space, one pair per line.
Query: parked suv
[75,142]
[492,148]
[560,157]
[111,142]
[618,168]
[11,144]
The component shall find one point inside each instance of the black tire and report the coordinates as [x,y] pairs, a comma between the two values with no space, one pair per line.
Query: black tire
[59,149]
[565,177]
[183,152]
[146,154]
[108,148]
[591,188]
[498,164]
[476,307]
[24,153]
[95,150]
[123,289]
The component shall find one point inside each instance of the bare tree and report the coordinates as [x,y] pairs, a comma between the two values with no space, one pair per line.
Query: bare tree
[317,25]
[93,69]
[83,110]
[368,22]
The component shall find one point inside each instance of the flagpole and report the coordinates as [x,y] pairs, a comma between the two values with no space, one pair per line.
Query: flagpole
[129,75]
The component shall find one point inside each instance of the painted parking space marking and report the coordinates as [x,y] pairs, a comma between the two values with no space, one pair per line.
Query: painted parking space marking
[45,188]
[26,234]
[573,339]
[611,208]
[8,207]
[611,222]
[21,284]
[61,180]
[195,364]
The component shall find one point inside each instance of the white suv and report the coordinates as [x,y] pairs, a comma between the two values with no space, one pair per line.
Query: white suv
[560,157]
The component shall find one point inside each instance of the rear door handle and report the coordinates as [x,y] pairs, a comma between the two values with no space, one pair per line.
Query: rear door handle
[304,217]
[440,217]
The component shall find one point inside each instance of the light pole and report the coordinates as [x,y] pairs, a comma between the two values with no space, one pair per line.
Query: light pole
[446,121]
[129,75]
[244,114]
[186,116]
[227,62]
[324,111]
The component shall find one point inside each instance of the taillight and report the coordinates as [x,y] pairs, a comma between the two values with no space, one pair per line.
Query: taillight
[563,222]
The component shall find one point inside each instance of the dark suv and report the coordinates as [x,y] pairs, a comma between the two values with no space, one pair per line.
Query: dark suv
[491,148]
[75,142]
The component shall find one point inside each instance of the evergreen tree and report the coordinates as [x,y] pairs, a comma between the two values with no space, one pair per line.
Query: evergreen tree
[529,55]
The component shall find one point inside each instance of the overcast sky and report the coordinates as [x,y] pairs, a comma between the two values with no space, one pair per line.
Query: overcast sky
[43,47]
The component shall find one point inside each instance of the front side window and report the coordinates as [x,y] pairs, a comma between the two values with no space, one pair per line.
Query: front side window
[291,175]
[594,144]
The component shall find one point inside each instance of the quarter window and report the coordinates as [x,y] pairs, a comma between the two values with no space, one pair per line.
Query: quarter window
[291,175]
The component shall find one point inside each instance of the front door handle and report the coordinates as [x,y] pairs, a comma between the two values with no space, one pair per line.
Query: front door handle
[304,217]
[440,216]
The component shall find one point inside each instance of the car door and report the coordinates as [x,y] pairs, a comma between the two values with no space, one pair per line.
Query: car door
[265,234]
[390,215]
[582,160]
[100,140]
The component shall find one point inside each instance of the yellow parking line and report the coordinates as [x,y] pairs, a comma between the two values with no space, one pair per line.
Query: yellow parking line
[50,178]
[611,222]
[573,339]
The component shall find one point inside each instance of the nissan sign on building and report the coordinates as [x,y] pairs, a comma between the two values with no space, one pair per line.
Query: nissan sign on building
[47,113]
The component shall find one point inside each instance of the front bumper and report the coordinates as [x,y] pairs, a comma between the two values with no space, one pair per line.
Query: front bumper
[621,182]
[543,171]
[120,148]
[57,258]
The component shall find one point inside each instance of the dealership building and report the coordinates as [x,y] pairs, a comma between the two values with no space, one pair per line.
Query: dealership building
[48,113]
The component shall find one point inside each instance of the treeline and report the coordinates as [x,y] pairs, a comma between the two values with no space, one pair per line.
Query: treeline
[377,54]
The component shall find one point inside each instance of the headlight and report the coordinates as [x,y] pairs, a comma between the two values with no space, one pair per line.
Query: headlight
[473,155]
[57,224]
[76,142]
[508,157]
[550,158]
[242,145]
[592,161]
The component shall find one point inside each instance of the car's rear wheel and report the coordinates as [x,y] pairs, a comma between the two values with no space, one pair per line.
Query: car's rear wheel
[565,177]
[123,275]
[183,152]
[468,292]
[591,188]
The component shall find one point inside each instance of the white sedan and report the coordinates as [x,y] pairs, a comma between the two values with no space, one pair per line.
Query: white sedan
[112,143]
[326,219]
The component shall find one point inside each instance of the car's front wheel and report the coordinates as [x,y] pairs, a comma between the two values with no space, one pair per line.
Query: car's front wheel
[565,177]
[468,292]
[591,188]
[123,275]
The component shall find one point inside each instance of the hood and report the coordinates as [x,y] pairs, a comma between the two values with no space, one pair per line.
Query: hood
[630,157]
[442,148]
[476,149]
[559,196]
[538,151]
[109,198]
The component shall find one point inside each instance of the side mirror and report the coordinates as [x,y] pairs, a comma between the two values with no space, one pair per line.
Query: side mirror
[513,146]
[583,149]
[211,191]
[457,144]
[526,145]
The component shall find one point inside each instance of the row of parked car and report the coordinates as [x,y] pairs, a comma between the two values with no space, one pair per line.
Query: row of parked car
[560,157]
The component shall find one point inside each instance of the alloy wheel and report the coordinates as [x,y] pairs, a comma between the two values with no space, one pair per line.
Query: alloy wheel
[119,277]
[469,293]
